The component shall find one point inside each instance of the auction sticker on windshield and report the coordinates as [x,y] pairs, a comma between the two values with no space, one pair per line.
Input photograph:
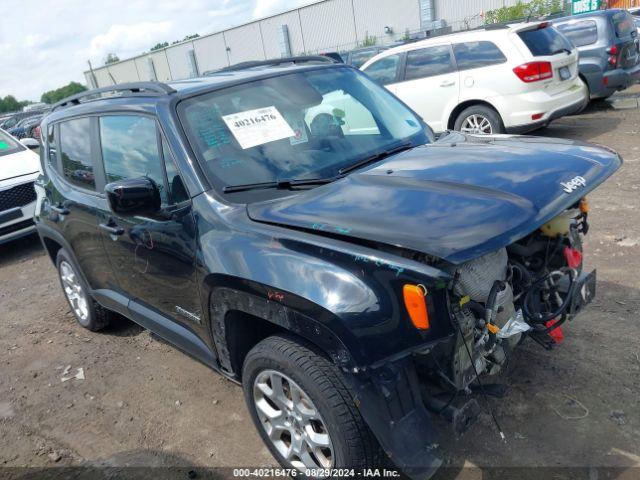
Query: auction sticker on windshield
[257,127]
[4,145]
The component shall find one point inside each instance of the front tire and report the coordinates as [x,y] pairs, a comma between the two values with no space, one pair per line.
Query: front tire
[88,313]
[302,409]
[479,120]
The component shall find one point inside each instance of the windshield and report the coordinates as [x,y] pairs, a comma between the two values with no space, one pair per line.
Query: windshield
[303,125]
[8,144]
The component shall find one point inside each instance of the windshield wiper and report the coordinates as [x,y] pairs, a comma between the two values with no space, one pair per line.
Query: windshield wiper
[375,157]
[278,184]
[565,50]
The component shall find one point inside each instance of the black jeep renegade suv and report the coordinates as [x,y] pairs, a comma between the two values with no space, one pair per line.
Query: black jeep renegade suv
[297,228]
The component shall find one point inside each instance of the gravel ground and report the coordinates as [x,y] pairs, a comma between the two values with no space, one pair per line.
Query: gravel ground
[143,403]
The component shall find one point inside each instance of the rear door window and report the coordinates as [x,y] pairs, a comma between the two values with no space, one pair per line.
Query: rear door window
[385,70]
[75,148]
[581,33]
[477,54]
[545,41]
[428,62]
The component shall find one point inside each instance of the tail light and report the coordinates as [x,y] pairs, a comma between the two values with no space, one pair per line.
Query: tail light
[37,132]
[613,55]
[534,71]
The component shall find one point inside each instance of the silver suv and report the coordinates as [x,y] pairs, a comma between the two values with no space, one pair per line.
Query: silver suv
[608,45]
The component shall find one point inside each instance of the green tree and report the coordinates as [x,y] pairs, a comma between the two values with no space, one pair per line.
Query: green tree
[111,58]
[523,10]
[188,37]
[9,104]
[53,96]
[159,46]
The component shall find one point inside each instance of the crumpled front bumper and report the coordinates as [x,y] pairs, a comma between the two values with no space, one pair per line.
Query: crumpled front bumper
[389,399]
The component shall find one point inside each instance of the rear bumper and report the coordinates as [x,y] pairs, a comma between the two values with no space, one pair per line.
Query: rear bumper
[622,78]
[561,112]
[519,112]
[607,83]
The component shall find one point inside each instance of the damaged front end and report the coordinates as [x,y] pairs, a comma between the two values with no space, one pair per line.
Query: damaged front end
[528,289]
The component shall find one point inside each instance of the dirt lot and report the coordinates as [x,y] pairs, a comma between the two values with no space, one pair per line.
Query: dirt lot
[142,403]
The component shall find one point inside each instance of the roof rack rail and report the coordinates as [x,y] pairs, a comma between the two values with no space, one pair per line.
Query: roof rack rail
[277,61]
[133,89]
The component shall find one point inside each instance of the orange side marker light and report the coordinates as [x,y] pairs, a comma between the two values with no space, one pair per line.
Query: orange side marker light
[416,303]
[584,205]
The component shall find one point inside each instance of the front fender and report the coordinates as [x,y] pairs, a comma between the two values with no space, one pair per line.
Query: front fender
[352,291]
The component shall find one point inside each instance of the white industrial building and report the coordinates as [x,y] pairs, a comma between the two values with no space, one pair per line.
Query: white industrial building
[325,25]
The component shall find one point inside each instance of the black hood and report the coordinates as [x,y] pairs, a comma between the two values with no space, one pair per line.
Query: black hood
[456,199]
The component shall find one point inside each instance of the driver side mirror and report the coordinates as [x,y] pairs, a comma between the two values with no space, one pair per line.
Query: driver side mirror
[137,196]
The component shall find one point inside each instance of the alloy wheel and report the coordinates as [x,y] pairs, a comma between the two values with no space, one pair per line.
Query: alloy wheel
[478,124]
[74,291]
[292,422]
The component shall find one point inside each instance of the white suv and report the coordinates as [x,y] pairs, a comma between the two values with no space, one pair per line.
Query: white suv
[19,168]
[500,79]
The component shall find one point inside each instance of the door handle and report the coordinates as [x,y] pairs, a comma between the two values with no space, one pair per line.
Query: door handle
[112,229]
[448,83]
[60,210]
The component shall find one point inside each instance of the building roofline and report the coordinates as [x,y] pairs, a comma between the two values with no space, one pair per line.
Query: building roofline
[192,40]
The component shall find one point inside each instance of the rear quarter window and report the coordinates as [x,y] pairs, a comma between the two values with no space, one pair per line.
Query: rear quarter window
[545,41]
[581,33]
[477,54]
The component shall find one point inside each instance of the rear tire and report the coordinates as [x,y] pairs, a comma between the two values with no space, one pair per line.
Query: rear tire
[479,119]
[318,384]
[88,313]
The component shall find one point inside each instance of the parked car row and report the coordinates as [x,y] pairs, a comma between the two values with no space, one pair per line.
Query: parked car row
[512,78]
[27,127]
[23,124]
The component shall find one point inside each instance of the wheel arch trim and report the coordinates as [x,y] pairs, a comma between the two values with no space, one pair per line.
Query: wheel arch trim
[224,294]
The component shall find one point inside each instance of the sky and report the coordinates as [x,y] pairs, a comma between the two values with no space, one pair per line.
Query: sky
[45,44]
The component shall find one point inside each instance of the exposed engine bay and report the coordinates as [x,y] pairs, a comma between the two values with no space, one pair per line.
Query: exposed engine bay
[528,289]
